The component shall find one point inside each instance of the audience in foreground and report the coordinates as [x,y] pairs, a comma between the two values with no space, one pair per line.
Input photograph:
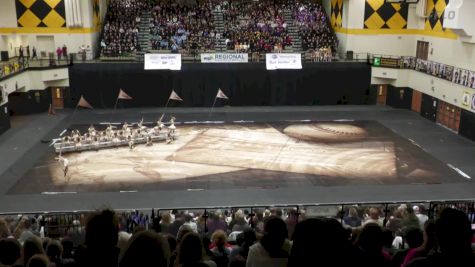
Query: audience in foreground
[315,241]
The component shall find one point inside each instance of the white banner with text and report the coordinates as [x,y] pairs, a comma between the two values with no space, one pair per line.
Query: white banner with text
[283,61]
[224,58]
[163,61]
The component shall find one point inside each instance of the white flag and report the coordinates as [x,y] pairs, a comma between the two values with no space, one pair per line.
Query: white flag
[83,103]
[123,95]
[220,94]
[174,96]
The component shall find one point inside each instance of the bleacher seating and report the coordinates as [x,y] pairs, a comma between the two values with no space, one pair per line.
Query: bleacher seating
[120,34]
[182,27]
[247,26]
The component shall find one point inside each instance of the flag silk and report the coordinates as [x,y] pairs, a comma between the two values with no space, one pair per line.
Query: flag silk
[220,94]
[83,103]
[123,95]
[174,96]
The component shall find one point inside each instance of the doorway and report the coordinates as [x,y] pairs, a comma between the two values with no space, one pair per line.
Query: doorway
[448,115]
[57,96]
[381,93]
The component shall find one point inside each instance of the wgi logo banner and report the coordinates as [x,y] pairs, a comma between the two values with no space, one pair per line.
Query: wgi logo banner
[224,58]
[283,61]
[163,61]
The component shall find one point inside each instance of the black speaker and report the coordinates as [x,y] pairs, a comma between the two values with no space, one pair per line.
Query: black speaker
[349,55]
[4,55]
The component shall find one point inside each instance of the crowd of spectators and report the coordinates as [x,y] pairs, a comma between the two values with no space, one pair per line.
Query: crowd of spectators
[176,26]
[255,26]
[271,237]
[314,27]
[120,35]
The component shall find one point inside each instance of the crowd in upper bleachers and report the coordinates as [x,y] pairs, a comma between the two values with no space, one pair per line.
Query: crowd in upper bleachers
[255,26]
[314,27]
[120,34]
[176,26]
[249,26]
[271,237]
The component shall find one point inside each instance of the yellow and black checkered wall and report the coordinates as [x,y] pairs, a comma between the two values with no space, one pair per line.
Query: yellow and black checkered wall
[40,13]
[435,11]
[96,10]
[336,17]
[381,15]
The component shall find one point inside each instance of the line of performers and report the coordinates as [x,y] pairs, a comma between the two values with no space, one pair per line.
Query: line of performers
[116,137]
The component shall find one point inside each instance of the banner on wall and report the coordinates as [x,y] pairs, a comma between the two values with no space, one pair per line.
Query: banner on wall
[162,62]
[473,102]
[283,61]
[224,58]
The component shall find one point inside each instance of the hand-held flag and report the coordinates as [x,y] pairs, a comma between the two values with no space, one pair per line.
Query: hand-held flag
[123,95]
[174,96]
[221,94]
[83,103]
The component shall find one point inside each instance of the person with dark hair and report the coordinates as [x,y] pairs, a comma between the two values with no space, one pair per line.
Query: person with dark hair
[102,234]
[54,251]
[454,237]
[318,242]
[31,247]
[371,242]
[38,260]
[413,237]
[428,246]
[146,248]
[239,254]
[272,249]
[10,252]
[191,252]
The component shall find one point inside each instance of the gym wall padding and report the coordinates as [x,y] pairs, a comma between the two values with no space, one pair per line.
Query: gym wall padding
[245,84]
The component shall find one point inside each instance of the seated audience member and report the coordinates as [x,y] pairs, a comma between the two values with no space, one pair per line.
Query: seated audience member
[31,247]
[4,231]
[321,242]
[413,237]
[238,255]
[273,248]
[370,242]
[54,251]
[215,223]
[428,246]
[100,241]
[10,252]
[373,217]
[191,252]
[454,237]
[352,219]
[146,249]
[220,248]
[420,216]
[38,260]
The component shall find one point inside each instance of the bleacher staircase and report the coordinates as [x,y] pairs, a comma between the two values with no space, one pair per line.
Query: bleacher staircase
[220,44]
[144,35]
[293,32]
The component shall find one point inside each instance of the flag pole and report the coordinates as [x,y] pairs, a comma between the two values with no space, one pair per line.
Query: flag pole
[165,110]
[116,101]
[212,108]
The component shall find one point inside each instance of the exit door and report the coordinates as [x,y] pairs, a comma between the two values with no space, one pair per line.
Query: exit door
[58,97]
